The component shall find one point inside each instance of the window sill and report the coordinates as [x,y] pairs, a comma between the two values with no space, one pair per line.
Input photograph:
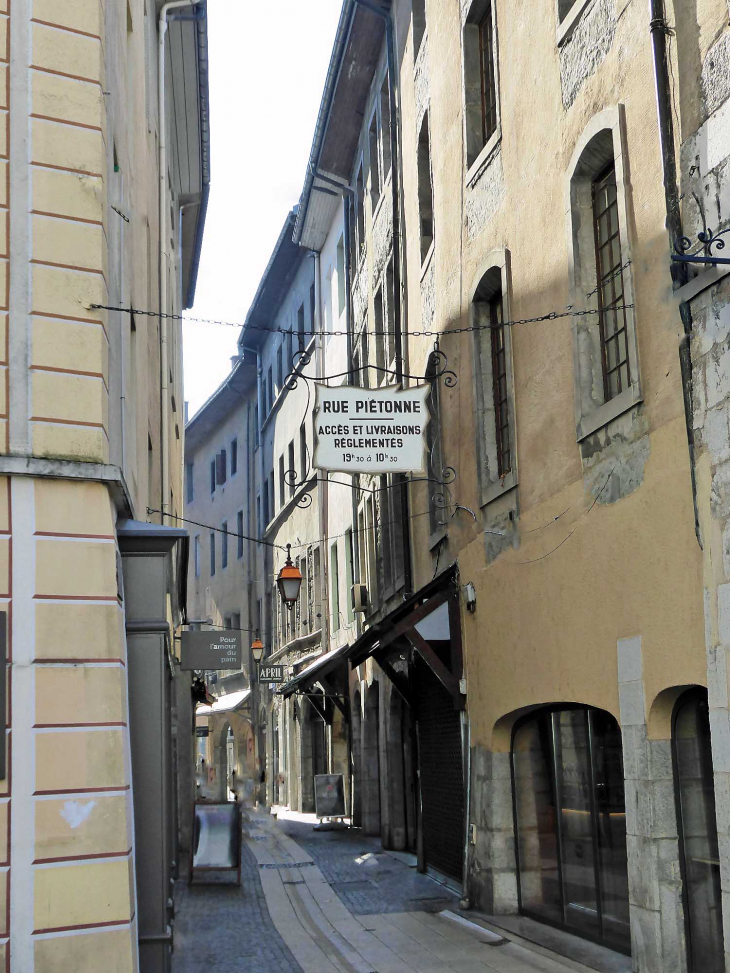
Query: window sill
[608,411]
[569,23]
[498,488]
[484,158]
[427,260]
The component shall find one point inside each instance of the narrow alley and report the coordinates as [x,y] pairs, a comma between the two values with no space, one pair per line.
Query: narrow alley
[321,901]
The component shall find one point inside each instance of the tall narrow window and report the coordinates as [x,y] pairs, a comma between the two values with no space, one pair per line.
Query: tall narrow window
[379,337]
[612,320]
[224,544]
[292,470]
[349,573]
[425,189]
[282,482]
[360,189]
[335,588]
[303,456]
[280,367]
[196,559]
[234,457]
[301,342]
[495,407]
[341,282]
[500,386]
[385,129]
[189,486]
[486,69]
[271,388]
[374,163]
[212,476]
[239,531]
[481,78]
[212,554]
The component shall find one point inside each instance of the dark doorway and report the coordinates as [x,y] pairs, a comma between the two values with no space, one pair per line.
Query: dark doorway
[698,833]
[319,745]
[438,725]
[570,818]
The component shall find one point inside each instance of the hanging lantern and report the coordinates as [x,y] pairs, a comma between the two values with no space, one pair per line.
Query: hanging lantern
[257,649]
[289,581]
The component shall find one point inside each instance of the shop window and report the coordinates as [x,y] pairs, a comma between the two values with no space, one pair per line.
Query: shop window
[698,833]
[568,787]
[425,188]
[496,456]
[481,92]
[605,350]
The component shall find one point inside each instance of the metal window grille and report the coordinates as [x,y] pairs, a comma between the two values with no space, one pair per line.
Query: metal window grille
[610,286]
[486,62]
[499,386]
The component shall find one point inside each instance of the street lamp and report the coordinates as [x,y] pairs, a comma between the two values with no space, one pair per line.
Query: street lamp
[289,581]
[257,649]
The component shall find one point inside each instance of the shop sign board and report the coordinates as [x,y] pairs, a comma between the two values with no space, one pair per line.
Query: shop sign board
[202,731]
[329,795]
[361,430]
[271,674]
[211,650]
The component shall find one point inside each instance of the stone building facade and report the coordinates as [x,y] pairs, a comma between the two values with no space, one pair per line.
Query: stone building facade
[91,438]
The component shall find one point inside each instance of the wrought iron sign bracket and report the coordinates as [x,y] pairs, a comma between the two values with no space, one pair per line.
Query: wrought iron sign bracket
[685,251]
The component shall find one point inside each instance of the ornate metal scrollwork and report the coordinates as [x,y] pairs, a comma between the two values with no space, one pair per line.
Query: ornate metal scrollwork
[703,254]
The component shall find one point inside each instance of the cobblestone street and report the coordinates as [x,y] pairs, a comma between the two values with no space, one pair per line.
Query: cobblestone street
[326,901]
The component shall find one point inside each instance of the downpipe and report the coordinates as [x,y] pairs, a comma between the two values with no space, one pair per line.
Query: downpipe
[163,254]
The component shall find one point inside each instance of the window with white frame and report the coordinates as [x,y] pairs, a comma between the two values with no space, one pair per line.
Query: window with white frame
[481,79]
[605,353]
[494,382]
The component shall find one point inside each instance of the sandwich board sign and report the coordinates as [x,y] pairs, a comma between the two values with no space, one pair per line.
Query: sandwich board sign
[211,650]
[361,430]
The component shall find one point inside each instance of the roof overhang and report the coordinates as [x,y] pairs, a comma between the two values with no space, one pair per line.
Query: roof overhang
[322,669]
[225,400]
[187,98]
[273,286]
[357,47]
[224,704]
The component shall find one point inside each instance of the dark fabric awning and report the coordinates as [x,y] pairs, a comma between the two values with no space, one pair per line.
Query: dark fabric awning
[324,671]
[426,620]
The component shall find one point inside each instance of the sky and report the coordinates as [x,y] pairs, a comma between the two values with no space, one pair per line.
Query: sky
[268,63]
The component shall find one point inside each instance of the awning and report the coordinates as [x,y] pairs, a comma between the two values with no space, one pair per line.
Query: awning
[323,671]
[224,704]
[428,618]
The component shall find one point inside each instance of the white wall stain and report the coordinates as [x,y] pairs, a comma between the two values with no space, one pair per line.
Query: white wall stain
[75,813]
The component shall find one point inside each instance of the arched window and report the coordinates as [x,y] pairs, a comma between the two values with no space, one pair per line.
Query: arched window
[604,344]
[496,453]
[570,820]
[698,833]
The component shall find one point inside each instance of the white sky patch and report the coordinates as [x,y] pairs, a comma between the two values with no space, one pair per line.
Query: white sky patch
[268,63]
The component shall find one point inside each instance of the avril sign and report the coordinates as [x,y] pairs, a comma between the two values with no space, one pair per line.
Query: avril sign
[360,430]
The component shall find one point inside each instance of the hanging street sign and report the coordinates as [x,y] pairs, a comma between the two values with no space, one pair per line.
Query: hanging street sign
[361,430]
[271,674]
[211,650]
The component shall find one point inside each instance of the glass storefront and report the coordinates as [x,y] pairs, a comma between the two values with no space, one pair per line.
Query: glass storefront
[698,833]
[571,824]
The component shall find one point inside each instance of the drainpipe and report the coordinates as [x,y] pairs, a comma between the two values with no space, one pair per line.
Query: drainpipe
[322,492]
[348,325]
[659,30]
[163,268]
[395,180]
